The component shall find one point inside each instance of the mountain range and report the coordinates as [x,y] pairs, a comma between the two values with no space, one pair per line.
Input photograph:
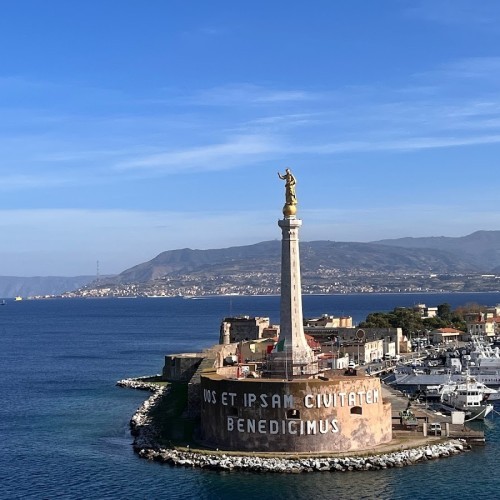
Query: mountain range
[481,249]
[13,286]
[478,252]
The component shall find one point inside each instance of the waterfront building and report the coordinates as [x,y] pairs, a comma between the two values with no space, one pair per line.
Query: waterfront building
[484,327]
[445,335]
[244,328]
[492,312]
[362,345]
[328,321]
[425,312]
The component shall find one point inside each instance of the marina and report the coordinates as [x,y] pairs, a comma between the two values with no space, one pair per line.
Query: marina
[475,361]
[448,397]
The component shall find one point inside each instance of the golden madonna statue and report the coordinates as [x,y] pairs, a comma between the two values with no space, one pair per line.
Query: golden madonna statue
[290,207]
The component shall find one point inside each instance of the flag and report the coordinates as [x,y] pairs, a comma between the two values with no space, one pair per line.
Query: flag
[279,346]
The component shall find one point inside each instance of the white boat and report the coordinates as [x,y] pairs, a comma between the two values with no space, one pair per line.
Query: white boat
[410,381]
[470,397]
[483,356]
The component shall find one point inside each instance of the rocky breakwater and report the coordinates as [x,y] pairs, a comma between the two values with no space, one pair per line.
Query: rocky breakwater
[142,426]
[146,446]
[141,383]
[287,465]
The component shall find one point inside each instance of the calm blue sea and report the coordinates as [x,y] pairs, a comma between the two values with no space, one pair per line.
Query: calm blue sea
[64,424]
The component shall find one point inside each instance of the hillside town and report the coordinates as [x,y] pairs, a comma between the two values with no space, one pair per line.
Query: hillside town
[323,281]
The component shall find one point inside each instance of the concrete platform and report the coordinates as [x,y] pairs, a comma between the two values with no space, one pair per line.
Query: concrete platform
[400,403]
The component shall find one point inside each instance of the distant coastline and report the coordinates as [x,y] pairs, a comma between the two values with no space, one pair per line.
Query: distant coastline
[67,296]
[435,265]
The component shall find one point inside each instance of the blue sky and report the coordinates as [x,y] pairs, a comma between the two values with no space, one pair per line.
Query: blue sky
[132,127]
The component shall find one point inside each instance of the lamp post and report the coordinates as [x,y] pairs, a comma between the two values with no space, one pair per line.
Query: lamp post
[360,334]
[333,358]
[331,339]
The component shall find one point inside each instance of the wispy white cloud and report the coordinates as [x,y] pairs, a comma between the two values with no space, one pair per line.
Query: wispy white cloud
[234,152]
[280,124]
[402,144]
[212,30]
[240,153]
[464,13]
[249,94]
[19,83]
[16,182]
[247,124]
[478,67]
[241,95]
[203,33]
[452,73]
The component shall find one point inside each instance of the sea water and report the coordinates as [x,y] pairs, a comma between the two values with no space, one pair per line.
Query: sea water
[64,424]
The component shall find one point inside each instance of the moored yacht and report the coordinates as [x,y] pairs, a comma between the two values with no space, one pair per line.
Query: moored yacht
[470,397]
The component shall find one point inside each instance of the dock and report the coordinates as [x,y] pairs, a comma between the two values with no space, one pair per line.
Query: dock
[421,415]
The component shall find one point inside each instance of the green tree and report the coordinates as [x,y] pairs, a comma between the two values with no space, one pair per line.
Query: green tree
[411,323]
[408,320]
[444,311]
[376,320]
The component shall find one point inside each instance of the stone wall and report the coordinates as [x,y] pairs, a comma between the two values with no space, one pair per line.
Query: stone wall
[181,367]
[242,328]
[341,414]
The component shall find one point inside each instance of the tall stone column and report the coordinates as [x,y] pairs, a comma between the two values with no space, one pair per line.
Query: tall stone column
[296,349]
[295,353]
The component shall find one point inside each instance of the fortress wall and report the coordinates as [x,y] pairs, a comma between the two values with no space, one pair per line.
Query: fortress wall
[342,414]
[181,367]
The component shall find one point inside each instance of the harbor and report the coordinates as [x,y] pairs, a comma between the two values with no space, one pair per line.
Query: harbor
[98,439]
[449,384]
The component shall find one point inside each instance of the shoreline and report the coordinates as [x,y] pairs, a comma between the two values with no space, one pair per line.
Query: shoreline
[246,295]
[396,454]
